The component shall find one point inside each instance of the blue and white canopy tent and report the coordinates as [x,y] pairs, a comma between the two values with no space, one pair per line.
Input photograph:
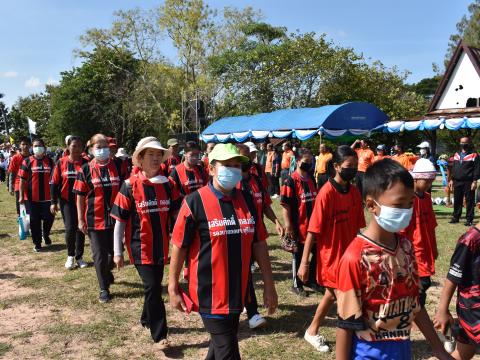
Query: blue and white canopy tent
[430,125]
[353,118]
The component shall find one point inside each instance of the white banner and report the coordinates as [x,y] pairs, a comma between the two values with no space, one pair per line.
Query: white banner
[32,126]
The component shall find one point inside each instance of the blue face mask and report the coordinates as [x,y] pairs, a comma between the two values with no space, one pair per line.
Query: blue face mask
[101,154]
[228,177]
[393,219]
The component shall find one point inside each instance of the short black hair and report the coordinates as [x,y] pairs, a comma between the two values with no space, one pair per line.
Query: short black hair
[40,140]
[24,139]
[338,157]
[74,138]
[380,176]
[190,146]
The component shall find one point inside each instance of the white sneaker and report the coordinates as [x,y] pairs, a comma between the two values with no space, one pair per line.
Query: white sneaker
[317,341]
[274,196]
[81,264]
[256,321]
[70,263]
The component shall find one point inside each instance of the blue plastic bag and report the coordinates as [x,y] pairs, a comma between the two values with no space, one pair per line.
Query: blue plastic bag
[23,223]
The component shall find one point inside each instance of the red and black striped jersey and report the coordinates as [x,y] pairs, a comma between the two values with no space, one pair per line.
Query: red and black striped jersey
[218,232]
[100,185]
[13,168]
[189,180]
[37,173]
[63,179]
[147,209]
[259,171]
[299,193]
[171,163]
[257,197]
[123,167]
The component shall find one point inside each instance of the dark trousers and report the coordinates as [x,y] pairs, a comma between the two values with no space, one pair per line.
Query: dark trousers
[223,337]
[359,181]
[321,180]
[153,314]
[2,174]
[297,259]
[461,189]
[17,204]
[74,238]
[41,220]
[251,301]
[101,243]
[284,174]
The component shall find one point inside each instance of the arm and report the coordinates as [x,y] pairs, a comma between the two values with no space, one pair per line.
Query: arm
[260,254]
[354,145]
[268,211]
[176,262]
[426,327]
[304,269]
[11,181]
[81,213]
[443,319]
[118,236]
[287,219]
[343,347]
[21,198]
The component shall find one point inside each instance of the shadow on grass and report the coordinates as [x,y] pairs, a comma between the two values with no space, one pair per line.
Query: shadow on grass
[54,248]
[126,294]
[8,276]
[176,352]
[135,285]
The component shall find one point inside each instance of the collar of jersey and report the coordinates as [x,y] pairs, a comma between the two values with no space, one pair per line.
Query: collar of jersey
[218,194]
[341,189]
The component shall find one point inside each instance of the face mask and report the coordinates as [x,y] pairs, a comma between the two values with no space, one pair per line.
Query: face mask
[101,154]
[348,174]
[305,166]
[284,148]
[393,219]
[192,160]
[228,177]
[294,149]
[423,151]
[465,146]
[38,150]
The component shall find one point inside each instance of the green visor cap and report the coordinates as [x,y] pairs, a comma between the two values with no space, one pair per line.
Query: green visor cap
[223,152]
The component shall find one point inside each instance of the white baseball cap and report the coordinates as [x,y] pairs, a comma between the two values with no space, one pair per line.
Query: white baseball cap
[424,145]
[251,146]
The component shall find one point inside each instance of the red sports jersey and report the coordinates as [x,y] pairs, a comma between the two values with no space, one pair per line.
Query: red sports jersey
[13,168]
[377,289]
[218,232]
[258,171]
[257,196]
[188,180]
[300,195]
[37,173]
[100,185]
[337,218]
[63,178]
[421,231]
[171,163]
[147,208]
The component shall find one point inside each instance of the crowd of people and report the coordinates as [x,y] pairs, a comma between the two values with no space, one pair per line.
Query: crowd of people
[204,214]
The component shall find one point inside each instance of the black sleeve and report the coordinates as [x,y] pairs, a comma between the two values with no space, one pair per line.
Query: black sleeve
[476,168]
[459,262]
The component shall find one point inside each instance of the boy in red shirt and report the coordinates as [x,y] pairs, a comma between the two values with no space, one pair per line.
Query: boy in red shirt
[14,167]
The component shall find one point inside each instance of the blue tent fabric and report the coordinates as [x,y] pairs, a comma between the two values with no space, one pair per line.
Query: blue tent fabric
[454,124]
[354,118]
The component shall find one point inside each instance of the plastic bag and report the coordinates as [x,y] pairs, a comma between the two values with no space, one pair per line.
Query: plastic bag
[23,223]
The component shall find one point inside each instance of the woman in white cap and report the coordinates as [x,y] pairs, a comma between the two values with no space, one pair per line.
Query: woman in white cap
[217,229]
[425,151]
[144,209]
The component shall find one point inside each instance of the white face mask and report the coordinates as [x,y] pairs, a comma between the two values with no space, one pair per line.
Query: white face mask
[101,154]
[393,219]
[38,150]
[423,151]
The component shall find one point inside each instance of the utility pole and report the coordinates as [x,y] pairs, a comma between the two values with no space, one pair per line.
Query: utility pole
[4,115]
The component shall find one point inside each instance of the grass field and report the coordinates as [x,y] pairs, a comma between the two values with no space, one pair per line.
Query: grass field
[49,312]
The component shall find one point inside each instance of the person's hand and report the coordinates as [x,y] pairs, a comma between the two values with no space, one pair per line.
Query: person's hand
[12,193]
[289,231]
[82,227]
[21,200]
[270,299]
[176,301]
[473,187]
[303,272]
[442,321]
[119,262]
[53,209]
[450,185]
[279,227]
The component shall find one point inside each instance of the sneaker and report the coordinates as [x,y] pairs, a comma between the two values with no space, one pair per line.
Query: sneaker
[81,264]
[453,221]
[257,321]
[104,296]
[299,291]
[274,196]
[70,263]
[47,241]
[317,341]
[468,223]
[37,248]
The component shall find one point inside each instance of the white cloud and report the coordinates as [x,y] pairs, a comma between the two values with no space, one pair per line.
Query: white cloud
[9,74]
[52,81]
[342,34]
[32,83]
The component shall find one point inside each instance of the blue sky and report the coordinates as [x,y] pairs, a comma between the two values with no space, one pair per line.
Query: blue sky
[38,36]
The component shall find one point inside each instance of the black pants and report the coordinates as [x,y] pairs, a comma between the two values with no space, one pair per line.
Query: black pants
[359,181]
[284,174]
[251,301]
[321,180]
[153,314]
[461,189]
[425,283]
[2,174]
[74,238]
[101,243]
[297,259]
[17,204]
[41,220]
[223,337]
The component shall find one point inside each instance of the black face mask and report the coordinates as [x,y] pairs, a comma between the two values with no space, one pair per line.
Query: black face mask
[348,174]
[246,166]
[305,166]
[464,146]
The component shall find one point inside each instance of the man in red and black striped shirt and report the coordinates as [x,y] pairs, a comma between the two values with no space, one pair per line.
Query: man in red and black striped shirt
[189,176]
[13,168]
[173,160]
[34,188]
[218,230]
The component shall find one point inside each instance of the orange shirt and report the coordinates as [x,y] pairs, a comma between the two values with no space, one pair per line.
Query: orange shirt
[269,162]
[321,164]
[421,231]
[336,219]
[405,160]
[286,159]
[365,159]
[380,157]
